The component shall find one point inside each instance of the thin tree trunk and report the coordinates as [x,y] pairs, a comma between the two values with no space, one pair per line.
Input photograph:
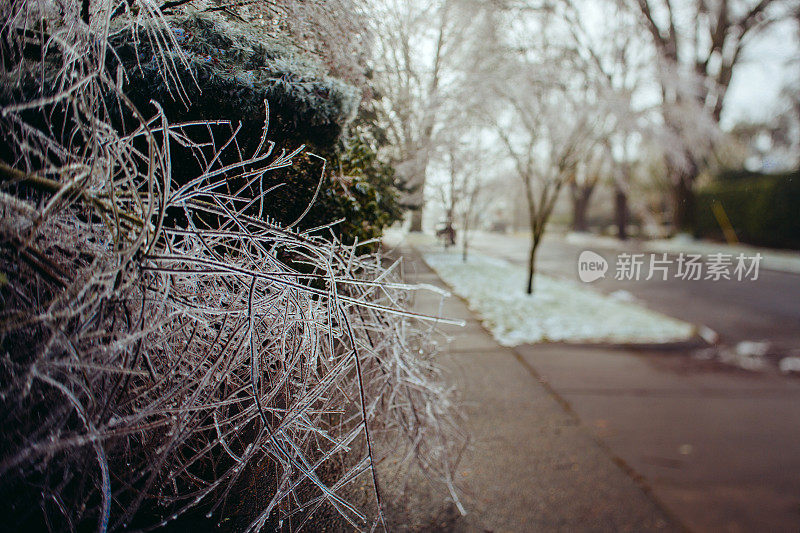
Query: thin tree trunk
[418,197]
[532,263]
[416,220]
[621,212]
[464,238]
[683,201]
[580,206]
[465,242]
[427,132]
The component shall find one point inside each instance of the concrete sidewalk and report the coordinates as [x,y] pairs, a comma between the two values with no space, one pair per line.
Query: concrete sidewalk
[531,465]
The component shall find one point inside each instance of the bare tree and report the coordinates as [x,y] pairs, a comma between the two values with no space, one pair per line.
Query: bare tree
[589,173]
[466,165]
[699,45]
[619,66]
[546,113]
[545,152]
[418,55]
[546,131]
[472,191]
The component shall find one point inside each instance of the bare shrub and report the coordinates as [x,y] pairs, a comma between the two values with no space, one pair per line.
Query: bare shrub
[160,343]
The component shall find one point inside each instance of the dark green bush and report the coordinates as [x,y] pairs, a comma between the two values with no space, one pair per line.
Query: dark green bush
[763,209]
[227,70]
[235,69]
[365,191]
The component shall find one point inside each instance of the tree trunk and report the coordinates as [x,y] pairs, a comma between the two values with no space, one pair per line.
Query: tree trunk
[580,206]
[621,212]
[416,220]
[465,239]
[531,264]
[683,201]
[417,196]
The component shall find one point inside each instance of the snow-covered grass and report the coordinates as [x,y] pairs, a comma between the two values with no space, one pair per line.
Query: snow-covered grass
[559,310]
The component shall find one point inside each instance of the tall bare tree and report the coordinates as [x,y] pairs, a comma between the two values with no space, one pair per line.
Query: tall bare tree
[420,47]
[545,151]
[589,173]
[618,63]
[699,45]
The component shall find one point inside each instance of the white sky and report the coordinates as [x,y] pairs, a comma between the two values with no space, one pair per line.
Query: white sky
[765,69]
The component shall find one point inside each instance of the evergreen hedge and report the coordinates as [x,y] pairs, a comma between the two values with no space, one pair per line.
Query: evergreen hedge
[763,208]
[233,68]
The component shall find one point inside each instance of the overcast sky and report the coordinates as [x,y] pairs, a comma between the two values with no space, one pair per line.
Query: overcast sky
[764,71]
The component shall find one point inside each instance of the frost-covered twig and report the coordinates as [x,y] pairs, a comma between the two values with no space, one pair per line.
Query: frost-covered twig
[163,345]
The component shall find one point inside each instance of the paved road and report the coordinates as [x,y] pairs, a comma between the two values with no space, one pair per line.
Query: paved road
[718,446]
